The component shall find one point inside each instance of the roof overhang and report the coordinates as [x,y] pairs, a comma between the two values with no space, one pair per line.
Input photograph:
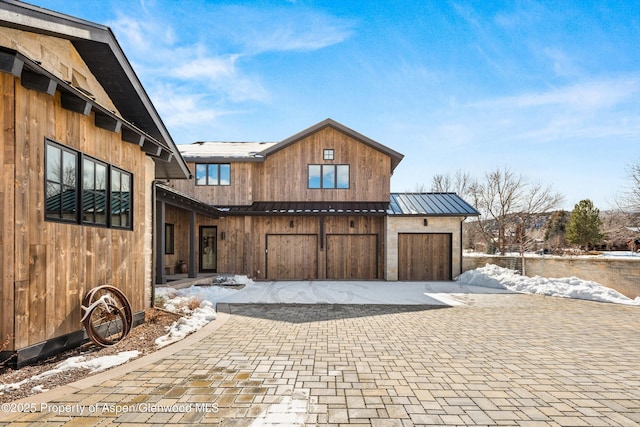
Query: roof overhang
[308,209]
[395,156]
[34,77]
[184,201]
[100,50]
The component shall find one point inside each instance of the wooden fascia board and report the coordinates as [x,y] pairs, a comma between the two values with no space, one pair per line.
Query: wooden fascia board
[394,155]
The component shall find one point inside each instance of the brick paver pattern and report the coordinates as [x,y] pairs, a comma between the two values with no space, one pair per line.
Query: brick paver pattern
[515,360]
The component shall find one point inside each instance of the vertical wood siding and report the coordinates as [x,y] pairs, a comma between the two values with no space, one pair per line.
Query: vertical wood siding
[7,182]
[424,256]
[55,264]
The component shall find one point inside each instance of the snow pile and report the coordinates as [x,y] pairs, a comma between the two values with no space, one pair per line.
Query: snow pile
[186,325]
[78,362]
[492,276]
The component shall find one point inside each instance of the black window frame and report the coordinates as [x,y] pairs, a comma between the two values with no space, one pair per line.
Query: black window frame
[328,154]
[117,201]
[324,185]
[81,199]
[75,198]
[212,182]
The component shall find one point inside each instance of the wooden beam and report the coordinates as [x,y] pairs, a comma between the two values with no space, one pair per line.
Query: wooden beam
[40,82]
[107,122]
[165,155]
[10,63]
[74,103]
[151,147]
[132,136]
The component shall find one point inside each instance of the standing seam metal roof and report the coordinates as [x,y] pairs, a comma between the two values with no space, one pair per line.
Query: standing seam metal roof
[445,204]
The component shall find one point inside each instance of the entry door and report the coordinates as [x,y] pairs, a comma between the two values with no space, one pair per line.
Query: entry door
[208,249]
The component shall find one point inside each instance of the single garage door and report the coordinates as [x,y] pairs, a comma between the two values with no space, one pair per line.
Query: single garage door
[424,256]
[352,256]
[292,256]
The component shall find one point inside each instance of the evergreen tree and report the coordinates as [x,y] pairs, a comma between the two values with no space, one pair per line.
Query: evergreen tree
[556,230]
[584,225]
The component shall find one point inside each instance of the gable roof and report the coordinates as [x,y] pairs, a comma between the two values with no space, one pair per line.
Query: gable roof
[101,52]
[395,156]
[432,204]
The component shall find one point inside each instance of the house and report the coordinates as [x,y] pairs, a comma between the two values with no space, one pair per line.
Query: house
[317,205]
[80,149]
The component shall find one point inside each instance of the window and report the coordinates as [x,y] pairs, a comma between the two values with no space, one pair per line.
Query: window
[72,179]
[94,192]
[328,176]
[61,178]
[328,154]
[213,174]
[120,198]
[168,239]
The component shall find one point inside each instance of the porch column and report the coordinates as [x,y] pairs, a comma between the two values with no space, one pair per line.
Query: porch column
[192,245]
[161,277]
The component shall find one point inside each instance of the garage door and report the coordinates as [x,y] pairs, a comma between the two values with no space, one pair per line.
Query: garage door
[424,256]
[292,256]
[352,256]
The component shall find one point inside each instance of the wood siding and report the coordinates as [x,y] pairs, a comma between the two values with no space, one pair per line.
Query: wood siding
[284,176]
[292,256]
[243,250]
[7,229]
[352,257]
[424,256]
[54,264]
[237,194]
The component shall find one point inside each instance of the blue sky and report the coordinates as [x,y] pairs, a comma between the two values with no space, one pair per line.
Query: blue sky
[550,89]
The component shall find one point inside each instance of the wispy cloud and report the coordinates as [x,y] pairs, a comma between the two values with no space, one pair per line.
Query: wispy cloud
[191,80]
[583,111]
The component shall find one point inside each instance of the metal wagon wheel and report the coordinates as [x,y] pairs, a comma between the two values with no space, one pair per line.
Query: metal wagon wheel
[121,300]
[106,324]
[107,315]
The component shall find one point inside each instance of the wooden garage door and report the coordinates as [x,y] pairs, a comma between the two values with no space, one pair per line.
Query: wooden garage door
[352,256]
[292,256]
[424,256]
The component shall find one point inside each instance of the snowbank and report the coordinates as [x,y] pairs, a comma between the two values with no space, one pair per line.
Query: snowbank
[492,276]
[186,325]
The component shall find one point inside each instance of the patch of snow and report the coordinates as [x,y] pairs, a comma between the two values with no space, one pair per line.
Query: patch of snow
[78,362]
[492,276]
[188,324]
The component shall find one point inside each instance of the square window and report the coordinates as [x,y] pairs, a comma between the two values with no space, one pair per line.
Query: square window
[328,154]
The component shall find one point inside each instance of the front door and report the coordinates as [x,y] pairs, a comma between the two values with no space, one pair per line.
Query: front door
[208,249]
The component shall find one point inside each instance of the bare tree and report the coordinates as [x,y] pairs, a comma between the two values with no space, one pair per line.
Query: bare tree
[460,183]
[509,203]
[633,194]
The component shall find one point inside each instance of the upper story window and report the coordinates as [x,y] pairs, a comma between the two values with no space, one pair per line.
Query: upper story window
[329,176]
[213,174]
[328,154]
[102,196]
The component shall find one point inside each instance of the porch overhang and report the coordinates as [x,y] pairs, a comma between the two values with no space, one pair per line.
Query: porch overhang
[308,208]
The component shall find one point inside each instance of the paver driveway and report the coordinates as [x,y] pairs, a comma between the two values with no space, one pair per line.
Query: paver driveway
[499,360]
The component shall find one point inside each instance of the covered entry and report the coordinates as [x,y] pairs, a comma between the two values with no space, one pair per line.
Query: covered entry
[352,256]
[292,256]
[424,256]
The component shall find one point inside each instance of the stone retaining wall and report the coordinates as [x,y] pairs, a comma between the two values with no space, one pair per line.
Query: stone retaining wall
[623,275]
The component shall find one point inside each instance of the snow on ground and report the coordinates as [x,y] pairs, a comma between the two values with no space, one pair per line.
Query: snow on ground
[492,276]
[78,362]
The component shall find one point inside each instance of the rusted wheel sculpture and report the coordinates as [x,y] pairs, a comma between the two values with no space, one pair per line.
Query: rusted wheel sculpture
[106,315]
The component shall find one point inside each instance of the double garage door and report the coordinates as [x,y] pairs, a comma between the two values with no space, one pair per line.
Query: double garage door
[346,256]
